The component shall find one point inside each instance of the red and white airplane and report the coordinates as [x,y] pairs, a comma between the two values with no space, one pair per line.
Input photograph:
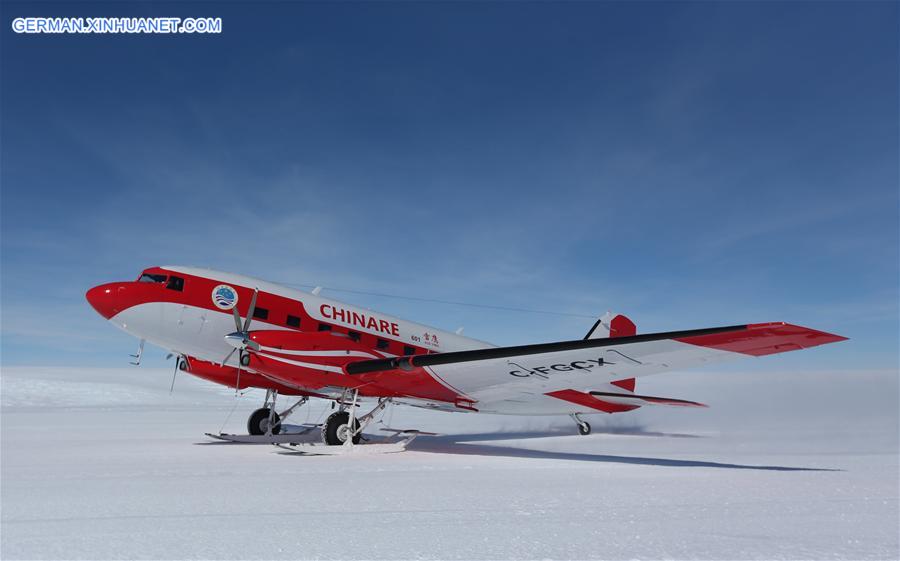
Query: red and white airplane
[304,345]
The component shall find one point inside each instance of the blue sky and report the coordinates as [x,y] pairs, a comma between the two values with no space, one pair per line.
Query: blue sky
[689,164]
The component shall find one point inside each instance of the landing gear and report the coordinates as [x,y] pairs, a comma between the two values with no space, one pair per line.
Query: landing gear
[266,420]
[342,431]
[584,428]
[340,425]
[264,425]
[337,429]
[263,418]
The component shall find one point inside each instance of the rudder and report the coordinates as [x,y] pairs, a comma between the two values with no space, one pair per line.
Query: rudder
[614,325]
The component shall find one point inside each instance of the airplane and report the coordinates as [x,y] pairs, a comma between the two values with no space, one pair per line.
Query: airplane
[244,332]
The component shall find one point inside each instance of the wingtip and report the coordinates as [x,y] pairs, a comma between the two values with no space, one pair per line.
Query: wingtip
[759,339]
[824,337]
[820,337]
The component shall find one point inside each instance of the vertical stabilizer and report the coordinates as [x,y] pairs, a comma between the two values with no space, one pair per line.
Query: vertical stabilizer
[614,325]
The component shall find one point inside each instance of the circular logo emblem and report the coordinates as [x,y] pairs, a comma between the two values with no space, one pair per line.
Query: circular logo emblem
[224,297]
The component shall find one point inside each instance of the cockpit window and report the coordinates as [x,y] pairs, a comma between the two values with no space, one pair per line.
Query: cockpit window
[147,277]
[175,283]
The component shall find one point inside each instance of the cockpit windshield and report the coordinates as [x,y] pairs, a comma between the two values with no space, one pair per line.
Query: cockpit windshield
[147,277]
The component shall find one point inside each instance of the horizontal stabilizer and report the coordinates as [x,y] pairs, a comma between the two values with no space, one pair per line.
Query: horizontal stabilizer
[591,402]
[646,399]
[612,402]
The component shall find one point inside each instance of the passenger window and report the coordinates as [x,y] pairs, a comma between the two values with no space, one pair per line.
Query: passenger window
[382,344]
[407,350]
[293,321]
[324,327]
[353,335]
[147,277]
[175,283]
[261,313]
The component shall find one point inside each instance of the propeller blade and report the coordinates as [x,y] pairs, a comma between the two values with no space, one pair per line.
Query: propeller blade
[237,318]
[228,356]
[175,373]
[237,381]
[250,310]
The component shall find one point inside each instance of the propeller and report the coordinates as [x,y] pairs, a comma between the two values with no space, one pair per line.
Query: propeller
[240,339]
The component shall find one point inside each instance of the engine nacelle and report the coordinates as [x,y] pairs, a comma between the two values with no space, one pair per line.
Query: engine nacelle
[228,376]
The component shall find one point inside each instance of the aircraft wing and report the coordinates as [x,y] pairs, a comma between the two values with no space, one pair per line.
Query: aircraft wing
[586,365]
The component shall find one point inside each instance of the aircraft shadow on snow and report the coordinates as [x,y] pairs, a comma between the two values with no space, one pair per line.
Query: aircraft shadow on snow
[470,444]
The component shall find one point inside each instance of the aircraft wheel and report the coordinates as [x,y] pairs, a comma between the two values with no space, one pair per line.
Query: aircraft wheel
[258,422]
[584,428]
[245,359]
[337,427]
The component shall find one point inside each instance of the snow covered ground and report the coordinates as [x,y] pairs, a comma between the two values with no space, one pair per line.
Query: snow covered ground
[100,464]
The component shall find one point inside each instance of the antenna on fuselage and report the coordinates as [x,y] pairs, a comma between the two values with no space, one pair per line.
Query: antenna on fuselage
[316,290]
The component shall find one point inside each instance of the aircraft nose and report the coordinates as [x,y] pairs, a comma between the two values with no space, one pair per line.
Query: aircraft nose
[103,299]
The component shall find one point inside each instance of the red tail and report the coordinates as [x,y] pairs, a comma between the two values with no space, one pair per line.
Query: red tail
[614,325]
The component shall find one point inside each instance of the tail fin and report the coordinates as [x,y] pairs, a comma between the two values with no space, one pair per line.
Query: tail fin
[614,325]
